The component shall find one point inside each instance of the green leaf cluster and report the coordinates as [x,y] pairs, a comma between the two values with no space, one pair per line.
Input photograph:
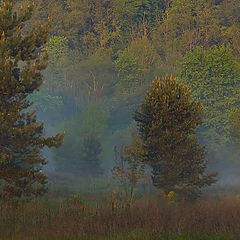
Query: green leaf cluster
[214,77]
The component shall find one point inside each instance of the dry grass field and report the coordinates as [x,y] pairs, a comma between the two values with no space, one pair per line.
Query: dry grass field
[146,219]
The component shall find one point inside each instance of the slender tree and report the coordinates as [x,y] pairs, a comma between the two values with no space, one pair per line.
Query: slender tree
[129,170]
[21,137]
[167,120]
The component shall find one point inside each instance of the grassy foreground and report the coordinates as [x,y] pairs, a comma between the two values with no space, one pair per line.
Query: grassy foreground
[137,236]
[151,219]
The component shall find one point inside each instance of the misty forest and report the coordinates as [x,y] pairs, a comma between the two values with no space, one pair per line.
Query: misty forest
[120,119]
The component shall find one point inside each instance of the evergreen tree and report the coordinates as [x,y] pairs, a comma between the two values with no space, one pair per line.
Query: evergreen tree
[167,121]
[147,14]
[80,153]
[21,136]
[90,163]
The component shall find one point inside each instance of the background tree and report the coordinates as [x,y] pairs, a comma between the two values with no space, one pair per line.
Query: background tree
[48,98]
[21,136]
[82,148]
[129,171]
[107,52]
[60,73]
[187,24]
[135,65]
[167,121]
[97,77]
[234,129]
[214,77]
[232,149]
[91,162]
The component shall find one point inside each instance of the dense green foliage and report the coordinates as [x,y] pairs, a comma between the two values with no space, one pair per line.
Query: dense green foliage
[214,77]
[234,128]
[167,121]
[21,136]
[85,68]
[104,54]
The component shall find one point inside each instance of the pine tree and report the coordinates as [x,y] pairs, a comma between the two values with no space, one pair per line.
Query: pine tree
[92,148]
[21,137]
[167,120]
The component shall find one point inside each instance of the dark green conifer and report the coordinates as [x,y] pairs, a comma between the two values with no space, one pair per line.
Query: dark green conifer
[22,58]
[90,162]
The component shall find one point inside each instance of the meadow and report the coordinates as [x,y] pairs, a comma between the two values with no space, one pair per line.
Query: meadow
[148,218]
[89,209]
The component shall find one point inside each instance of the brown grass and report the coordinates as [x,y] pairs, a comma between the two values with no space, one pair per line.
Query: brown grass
[72,219]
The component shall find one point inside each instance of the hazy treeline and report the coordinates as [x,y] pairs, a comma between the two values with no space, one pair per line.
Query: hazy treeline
[104,54]
[132,95]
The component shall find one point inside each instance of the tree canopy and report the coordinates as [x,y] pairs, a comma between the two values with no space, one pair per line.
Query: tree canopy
[167,120]
[21,136]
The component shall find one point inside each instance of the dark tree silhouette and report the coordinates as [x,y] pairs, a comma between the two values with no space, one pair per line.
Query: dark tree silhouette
[21,137]
[167,120]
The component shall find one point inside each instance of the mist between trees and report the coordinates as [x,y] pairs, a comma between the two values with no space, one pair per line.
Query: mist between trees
[103,59]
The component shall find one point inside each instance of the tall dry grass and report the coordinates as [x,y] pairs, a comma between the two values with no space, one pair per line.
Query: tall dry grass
[74,220]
